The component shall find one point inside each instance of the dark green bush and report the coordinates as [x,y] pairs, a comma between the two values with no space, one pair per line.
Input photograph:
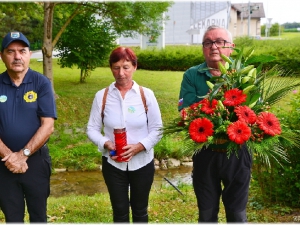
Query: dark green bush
[36,45]
[291,30]
[171,58]
[180,58]
[281,184]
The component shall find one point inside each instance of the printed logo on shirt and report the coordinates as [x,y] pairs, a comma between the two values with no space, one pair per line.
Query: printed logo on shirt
[180,102]
[131,109]
[30,96]
[3,98]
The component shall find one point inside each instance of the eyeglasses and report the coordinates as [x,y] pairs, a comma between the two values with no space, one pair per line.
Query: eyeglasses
[218,43]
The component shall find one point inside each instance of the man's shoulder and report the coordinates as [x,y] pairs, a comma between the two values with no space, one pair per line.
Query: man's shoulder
[37,75]
[196,68]
[3,73]
[34,72]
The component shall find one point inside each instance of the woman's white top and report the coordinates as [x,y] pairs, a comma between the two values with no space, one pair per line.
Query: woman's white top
[129,113]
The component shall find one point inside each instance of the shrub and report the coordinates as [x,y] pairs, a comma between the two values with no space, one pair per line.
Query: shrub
[180,58]
[281,184]
[172,58]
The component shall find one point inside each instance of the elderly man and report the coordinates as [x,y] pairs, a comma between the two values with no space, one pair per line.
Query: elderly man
[27,114]
[212,167]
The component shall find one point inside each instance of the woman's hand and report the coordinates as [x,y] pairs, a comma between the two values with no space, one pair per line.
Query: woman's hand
[110,146]
[132,150]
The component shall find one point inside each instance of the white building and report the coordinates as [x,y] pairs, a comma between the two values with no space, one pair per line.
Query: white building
[189,19]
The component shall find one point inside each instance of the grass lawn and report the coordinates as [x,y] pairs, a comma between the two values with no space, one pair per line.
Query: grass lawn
[166,205]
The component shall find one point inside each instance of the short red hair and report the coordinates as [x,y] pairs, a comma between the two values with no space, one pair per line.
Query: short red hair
[124,53]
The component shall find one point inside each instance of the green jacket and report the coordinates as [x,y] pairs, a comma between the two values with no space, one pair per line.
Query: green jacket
[193,85]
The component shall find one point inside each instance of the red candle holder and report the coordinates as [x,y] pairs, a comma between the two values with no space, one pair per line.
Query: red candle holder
[120,142]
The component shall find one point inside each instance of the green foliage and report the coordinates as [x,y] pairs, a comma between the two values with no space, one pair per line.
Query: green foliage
[80,154]
[24,17]
[34,46]
[284,50]
[291,25]
[292,30]
[88,48]
[271,181]
[174,58]
[134,17]
[170,146]
[179,58]
[275,29]
[123,17]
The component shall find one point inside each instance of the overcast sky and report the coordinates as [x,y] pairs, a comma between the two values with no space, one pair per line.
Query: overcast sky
[281,11]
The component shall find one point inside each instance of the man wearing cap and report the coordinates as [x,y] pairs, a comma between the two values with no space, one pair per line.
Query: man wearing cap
[27,114]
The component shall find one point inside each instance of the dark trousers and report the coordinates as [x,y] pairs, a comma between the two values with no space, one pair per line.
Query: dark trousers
[213,168]
[120,183]
[31,188]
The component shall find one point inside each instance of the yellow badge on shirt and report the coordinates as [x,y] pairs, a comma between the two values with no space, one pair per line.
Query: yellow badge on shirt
[30,96]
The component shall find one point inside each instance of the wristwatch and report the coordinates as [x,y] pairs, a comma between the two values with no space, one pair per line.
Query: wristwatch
[26,152]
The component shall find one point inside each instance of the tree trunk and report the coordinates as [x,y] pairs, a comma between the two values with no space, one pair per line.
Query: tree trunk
[47,42]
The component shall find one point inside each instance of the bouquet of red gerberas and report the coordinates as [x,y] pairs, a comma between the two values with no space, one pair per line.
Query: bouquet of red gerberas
[237,110]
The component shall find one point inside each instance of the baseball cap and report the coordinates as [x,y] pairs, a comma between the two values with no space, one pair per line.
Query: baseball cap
[14,36]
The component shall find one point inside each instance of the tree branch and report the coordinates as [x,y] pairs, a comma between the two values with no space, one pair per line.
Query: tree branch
[62,29]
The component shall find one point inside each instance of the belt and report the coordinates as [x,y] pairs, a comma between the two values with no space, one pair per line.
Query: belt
[219,146]
[214,149]
[219,150]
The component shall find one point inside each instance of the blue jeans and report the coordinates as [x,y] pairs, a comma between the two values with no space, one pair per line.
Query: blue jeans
[128,189]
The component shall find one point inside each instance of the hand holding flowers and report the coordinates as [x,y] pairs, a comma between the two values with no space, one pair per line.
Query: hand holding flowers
[236,111]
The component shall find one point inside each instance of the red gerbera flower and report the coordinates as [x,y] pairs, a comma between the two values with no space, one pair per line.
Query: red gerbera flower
[234,97]
[244,113]
[200,129]
[208,107]
[269,123]
[239,132]
[194,106]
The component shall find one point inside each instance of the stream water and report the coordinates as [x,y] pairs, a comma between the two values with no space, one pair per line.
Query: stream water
[91,182]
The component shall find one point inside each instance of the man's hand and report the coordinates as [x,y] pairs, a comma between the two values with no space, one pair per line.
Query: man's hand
[16,162]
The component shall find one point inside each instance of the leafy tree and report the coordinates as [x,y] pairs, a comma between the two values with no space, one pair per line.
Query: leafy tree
[88,48]
[274,30]
[124,18]
[24,17]
[291,25]
[263,30]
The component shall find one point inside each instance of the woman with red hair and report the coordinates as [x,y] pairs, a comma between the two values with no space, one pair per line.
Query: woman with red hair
[128,176]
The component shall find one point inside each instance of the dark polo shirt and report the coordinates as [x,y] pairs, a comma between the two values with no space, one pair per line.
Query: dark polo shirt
[21,108]
[193,85]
